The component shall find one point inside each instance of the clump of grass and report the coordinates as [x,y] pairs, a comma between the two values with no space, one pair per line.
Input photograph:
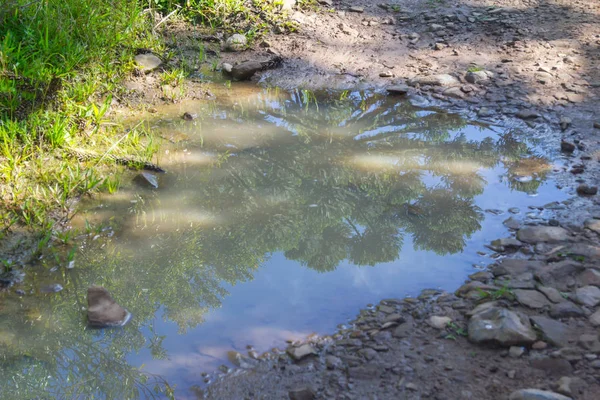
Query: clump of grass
[475,68]
[59,62]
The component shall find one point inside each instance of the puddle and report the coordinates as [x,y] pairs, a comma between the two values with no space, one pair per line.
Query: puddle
[281,214]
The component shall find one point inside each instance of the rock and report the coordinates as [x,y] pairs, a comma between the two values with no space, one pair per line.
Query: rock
[567,147]
[368,353]
[593,224]
[103,311]
[403,330]
[512,223]
[227,68]
[189,116]
[333,362]
[507,243]
[527,114]
[236,42]
[454,92]
[536,394]
[566,309]
[398,89]
[300,352]
[485,112]
[356,9]
[539,345]
[147,62]
[444,80]
[595,318]
[465,289]
[590,342]
[569,353]
[565,123]
[564,386]
[588,296]
[501,326]
[552,366]
[439,322]
[586,190]
[539,233]
[589,277]
[241,360]
[302,394]
[551,293]
[597,125]
[481,276]
[363,372]
[531,298]
[516,351]
[516,267]
[246,70]
[478,77]
[147,179]
[554,332]
[558,274]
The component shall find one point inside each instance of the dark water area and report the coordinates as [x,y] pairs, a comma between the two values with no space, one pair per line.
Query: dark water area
[280,215]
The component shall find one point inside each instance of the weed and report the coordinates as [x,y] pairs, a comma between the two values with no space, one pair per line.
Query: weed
[475,68]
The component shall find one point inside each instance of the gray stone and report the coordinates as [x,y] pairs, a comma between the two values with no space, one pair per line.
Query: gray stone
[501,326]
[590,342]
[536,234]
[236,42]
[554,332]
[565,123]
[552,366]
[588,296]
[536,394]
[569,353]
[103,311]
[566,309]
[333,362]
[147,62]
[516,351]
[403,330]
[507,243]
[454,92]
[478,77]
[557,275]
[593,224]
[595,318]
[356,9]
[439,322]
[368,353]
[516,267]
[512,223]
[589,277]
[444,80]
[481,276]
[567,147]
[585,250]
[398,89]
[365,372]
[527,114]
[551,293]
[564,386]
[300,352]
[531,298]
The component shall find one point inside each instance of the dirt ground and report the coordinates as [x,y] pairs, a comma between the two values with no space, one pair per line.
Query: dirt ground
[534,60]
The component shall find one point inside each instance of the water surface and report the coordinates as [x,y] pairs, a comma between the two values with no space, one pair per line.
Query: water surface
[280,215]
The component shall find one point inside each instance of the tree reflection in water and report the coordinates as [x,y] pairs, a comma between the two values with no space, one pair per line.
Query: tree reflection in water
[346,178]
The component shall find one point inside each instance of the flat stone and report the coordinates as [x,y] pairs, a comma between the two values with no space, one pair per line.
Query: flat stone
[507,243]
[516,267]
[552,366]
[536,394]
[356,9]
[333,362]
[536,234]
[501,326]
[439,322]
[147,62]
[103,311]
[481,276]
[593,224]
[444,80]
[595,318]
[566,309]
[300,352]
[558,274]
[527,114]
[564,386]
[531,298]
[551,293]
[403,330]
[588,296]
[398,89]
[589,277]
[512,223]
[554,332]
[465,289]
[454,92]
[365,372]
[478,77]
[516,351]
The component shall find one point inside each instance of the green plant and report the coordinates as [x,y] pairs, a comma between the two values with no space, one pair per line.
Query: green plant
[475,68]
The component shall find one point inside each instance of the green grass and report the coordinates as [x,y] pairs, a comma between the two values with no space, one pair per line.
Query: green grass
[475,68]
[60,60]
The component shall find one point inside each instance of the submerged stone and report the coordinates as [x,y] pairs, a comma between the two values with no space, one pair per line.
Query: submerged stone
[103,311]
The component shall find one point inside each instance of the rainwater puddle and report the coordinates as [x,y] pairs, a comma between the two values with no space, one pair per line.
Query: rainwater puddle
[280,215]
